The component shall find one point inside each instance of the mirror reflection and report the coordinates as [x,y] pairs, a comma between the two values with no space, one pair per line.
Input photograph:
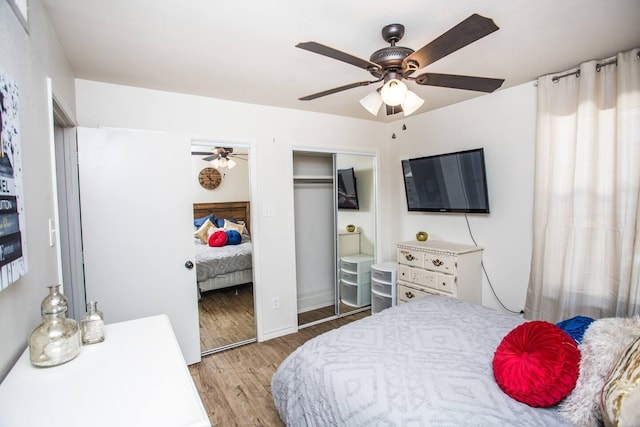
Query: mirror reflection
[223,247]
[335,233]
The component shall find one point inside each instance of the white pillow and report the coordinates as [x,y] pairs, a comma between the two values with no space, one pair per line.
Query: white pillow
[205,230]
[602,344]
[621,391]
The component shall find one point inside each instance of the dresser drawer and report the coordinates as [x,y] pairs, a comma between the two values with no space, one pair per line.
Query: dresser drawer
[406,294]
[439,262]
[410,257]
[404,272]
[446,283]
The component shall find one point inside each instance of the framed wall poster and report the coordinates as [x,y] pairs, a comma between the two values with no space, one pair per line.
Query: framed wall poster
[13,264]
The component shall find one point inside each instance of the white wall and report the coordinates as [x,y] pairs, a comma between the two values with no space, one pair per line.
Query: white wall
[504,124]
[30,59]
[275,132]
[233,188]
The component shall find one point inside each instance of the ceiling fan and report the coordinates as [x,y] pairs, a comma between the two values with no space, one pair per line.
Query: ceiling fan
[393,64]
[220,157]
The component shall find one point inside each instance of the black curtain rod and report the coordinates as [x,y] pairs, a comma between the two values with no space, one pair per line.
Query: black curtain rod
[576,73]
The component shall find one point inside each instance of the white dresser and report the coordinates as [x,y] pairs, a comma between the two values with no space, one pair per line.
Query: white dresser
[136,377]
[355,280]
[442,268]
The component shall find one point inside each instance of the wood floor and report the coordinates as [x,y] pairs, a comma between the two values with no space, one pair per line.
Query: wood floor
[235,385]
[226,316]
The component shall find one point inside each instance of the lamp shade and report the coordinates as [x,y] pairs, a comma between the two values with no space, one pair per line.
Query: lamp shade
[411,103]
[231,163]
[393,92]
[372,102]
[215,163]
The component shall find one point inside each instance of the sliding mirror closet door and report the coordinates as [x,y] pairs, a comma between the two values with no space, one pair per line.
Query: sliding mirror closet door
[356,230]
[327,285]
[223,262]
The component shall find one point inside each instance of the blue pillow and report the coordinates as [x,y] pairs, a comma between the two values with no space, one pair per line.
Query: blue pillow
[575,327]
[199,221]
[233,237]
[219,222]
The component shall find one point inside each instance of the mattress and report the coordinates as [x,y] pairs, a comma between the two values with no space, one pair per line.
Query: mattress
[424,363]
[226,280]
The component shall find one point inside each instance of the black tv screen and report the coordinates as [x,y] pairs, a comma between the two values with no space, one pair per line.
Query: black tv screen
[453,182]
[347,190]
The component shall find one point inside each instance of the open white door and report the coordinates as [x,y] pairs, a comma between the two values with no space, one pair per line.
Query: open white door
[137,228]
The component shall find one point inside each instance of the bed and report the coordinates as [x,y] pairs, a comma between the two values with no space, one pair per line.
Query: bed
[424,363]
[229,265]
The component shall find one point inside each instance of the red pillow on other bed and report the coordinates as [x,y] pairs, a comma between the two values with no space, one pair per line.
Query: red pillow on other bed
[218,238]
[537,364]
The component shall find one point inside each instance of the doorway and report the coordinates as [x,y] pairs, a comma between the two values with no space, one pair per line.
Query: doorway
[224,270]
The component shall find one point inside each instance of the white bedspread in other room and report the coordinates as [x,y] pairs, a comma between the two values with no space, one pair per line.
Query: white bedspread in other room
[425,363]
[213,261]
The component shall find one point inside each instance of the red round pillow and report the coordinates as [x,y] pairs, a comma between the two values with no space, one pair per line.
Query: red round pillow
[537,364]
[218,238]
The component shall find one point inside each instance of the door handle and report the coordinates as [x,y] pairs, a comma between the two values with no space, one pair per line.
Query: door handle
[188,265]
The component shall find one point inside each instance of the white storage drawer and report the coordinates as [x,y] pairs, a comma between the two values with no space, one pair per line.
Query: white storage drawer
[380,302]
[355,295]
[356,263]
[355,278]
[382,288]
[384,272]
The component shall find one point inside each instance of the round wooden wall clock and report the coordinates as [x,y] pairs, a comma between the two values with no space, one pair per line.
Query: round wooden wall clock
[209,178]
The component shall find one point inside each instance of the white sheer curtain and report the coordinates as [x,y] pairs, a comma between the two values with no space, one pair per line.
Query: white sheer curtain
[586,240]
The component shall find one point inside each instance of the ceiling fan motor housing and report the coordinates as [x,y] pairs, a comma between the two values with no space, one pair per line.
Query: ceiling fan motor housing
[390,59]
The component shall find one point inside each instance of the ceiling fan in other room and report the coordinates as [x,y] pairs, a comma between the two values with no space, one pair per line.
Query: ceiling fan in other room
[221,157]
[393,64]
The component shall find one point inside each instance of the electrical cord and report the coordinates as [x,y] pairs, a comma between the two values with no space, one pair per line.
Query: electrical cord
[485,272]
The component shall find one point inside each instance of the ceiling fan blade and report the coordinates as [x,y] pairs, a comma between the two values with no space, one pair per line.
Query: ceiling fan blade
[393,110]
[480,84]
[338,54]
[334,90]
[208,159]
[466,32]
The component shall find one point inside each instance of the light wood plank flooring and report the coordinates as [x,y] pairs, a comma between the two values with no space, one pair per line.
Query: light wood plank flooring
[226,316]
[235,385]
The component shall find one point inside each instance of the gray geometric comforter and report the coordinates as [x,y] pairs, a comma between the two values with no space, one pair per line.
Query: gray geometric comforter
[425,363]
[211,261]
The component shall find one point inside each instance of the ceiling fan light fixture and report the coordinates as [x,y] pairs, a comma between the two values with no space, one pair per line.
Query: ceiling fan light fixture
[393,92]
[411,103]
[372,102]
[231,164]
[215,163]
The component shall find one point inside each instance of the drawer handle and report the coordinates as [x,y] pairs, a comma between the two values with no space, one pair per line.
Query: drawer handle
[409,294]
[409,257]
[437,262]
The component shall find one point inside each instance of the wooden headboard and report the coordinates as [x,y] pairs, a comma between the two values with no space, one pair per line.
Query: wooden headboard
[237,210]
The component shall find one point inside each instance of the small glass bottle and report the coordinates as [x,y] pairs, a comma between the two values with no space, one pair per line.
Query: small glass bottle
[92,324]
[57,339]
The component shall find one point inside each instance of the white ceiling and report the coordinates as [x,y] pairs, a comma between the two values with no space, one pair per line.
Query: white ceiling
[245,50]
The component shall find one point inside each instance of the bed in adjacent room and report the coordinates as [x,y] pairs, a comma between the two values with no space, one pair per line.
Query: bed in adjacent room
[424,363]
[230,263]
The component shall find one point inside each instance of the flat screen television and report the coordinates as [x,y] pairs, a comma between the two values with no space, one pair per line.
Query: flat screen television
[453,182]
[347,189]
